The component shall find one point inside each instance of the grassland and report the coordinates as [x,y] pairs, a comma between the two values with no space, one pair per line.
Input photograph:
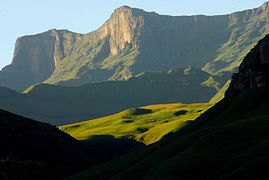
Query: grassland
[146,124]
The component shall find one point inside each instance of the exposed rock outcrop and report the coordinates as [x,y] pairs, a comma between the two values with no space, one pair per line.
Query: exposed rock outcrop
[36,57]
[254,70]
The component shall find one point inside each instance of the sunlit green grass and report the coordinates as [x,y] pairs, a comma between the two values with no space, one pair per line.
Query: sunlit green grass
[146,124]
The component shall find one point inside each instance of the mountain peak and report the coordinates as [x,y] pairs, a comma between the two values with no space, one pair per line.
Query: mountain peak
[129,10]
[265,6]
[122,8]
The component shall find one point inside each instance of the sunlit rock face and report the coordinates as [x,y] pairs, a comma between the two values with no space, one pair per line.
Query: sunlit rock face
[122,29]
[265,6]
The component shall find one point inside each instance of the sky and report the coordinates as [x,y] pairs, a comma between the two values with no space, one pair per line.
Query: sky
[24,17]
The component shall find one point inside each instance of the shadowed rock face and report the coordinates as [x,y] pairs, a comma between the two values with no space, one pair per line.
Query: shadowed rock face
[134,41]
[254,70]
[36,57]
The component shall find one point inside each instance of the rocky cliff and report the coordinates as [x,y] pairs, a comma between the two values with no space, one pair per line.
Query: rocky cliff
[36,57]
[134,41]
[254,70]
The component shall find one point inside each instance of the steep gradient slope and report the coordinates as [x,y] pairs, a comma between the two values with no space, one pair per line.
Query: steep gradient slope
[246,28]
[34,150]
[36,57]
[63,105]
[145,124]
[229,141]
[40,144]
[220,94]
[133,41]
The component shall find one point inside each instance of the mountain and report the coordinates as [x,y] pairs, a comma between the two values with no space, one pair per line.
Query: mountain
[132,41]
[229,141]
[35,150]
[62,105]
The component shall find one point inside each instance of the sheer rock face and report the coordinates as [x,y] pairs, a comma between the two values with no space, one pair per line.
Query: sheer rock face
[265,6]
[132,41]
[36,57]
[254,70]
[122,29]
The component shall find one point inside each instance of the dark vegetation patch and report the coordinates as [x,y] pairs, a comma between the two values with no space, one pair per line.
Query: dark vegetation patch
[75,126]
[142,130]
[140,111]
[180,113]
[128,121]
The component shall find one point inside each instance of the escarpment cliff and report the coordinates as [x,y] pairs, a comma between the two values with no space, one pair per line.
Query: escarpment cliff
[132,41]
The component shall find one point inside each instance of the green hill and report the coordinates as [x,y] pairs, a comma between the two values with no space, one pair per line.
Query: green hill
[146,124]
[60,105]
[132,41]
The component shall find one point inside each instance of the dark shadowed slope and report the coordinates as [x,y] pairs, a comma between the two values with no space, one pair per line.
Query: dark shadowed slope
[34,150]
[229,141]
[24,140]
[132,41]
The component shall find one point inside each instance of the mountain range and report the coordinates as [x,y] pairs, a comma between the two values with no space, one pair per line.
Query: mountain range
[132,41]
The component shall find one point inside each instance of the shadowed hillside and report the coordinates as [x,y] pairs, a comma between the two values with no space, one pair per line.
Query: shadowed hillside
[34,150]
[62,105]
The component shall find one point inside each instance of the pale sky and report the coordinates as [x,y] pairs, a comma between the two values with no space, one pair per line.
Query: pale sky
[23,17]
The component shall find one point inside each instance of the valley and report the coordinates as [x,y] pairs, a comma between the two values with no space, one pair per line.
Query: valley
[144,96]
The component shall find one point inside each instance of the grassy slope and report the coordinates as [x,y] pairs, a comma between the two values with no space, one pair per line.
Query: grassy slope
[211,82]
[220,94]
[246,29]
[229,141]
[146,124]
